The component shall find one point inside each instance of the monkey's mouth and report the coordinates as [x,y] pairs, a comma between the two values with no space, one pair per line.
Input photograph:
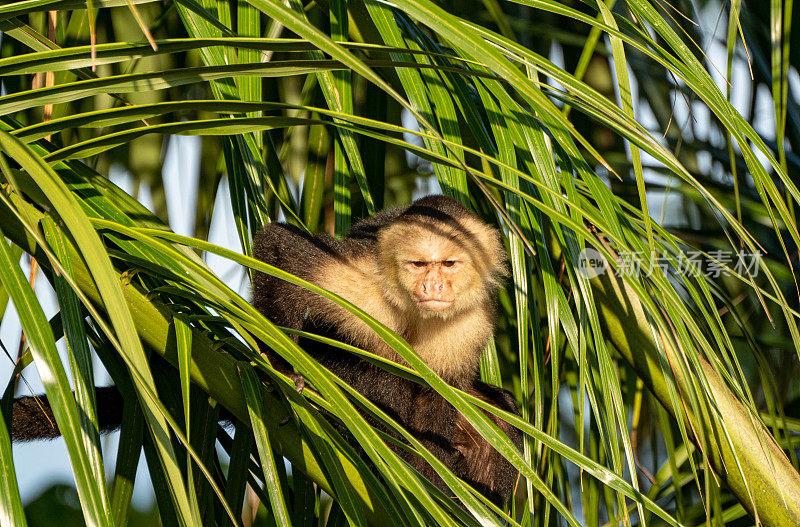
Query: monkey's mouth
[432,304]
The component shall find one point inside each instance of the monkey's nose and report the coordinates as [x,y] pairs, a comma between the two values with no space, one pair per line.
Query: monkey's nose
[435,286]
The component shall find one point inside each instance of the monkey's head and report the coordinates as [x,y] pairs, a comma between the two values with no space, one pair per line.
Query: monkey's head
[439,259]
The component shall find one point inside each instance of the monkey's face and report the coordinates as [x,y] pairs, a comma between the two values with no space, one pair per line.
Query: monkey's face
[431,278]
[437,269]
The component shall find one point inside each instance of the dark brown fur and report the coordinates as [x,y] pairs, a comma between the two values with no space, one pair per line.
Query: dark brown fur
[33,418]
[352,268]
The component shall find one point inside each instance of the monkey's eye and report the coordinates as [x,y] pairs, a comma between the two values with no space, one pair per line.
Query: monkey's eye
[418,263]
[449,263]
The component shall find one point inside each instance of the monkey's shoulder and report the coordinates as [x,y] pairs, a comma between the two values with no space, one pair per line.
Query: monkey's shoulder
[365,232]
[356,277]
[293,249]
[345,267]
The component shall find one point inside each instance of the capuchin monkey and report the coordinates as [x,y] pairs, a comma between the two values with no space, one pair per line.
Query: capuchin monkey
[430,272]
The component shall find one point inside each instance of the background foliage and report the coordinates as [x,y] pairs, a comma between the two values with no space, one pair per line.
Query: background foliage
[657,129]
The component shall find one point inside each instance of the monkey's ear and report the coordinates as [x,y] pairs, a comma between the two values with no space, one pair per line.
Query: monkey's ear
[502,266]
[389,239]
[495,259]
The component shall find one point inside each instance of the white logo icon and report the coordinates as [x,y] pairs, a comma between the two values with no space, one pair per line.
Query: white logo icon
[591,263]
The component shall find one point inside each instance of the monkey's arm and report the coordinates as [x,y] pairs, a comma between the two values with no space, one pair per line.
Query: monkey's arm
[297,252]
[481,465]
[449,436]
